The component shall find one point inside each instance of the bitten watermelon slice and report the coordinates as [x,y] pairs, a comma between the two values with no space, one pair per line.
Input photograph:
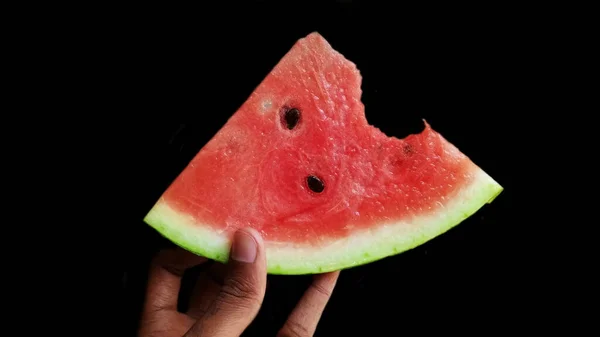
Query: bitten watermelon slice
[299,162]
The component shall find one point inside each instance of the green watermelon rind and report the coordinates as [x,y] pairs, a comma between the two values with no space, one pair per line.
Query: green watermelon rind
[360,248]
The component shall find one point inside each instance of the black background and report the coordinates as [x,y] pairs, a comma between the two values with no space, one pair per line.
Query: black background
[163,85]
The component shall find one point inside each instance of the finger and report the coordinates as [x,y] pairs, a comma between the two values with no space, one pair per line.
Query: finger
[303,320]
[206,290]
[242,293]
[164,279]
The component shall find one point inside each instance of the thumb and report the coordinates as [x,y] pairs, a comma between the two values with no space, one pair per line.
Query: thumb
[242,292]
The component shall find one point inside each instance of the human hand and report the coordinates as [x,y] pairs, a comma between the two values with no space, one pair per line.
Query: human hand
[226,298]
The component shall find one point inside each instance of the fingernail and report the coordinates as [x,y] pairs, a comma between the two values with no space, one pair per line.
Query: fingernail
[244,247]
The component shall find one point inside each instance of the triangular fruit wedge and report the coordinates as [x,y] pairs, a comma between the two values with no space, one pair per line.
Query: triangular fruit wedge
[327,191]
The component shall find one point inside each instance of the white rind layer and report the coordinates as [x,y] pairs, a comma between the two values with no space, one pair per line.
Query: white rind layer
[360,247]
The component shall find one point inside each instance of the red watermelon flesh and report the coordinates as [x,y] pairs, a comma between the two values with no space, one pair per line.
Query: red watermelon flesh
[300,163]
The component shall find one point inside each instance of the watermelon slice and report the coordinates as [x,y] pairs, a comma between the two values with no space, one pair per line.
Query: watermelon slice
[299,162]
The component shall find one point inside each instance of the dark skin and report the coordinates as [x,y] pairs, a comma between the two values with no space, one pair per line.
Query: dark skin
[227,297]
